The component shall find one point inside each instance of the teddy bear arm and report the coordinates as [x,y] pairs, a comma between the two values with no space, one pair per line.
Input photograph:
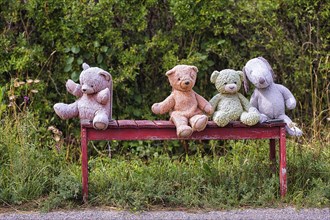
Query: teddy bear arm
[244,102]
[289,99]
[254,100]
[74,88]
[166,105]
[103,96]
[215,100]
[204,104]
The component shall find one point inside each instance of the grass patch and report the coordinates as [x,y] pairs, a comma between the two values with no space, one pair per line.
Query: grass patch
[240,178]
[215,175]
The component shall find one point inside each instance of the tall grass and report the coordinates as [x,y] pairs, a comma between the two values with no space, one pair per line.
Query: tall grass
[32,168]
[27,164]
[240,178]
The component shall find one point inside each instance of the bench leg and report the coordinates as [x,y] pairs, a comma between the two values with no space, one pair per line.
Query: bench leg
[282,156]
[84,164]
[272,155]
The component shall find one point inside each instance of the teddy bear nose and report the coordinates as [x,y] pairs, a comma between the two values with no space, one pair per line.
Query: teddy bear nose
[186,82]
[84,90]
[231,87]
[261,80]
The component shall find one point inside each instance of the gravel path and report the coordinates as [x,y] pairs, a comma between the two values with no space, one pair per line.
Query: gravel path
[255,214]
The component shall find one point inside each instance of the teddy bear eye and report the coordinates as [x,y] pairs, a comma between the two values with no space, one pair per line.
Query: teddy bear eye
[179,79]
[92,86]
[225,83]
[235,82]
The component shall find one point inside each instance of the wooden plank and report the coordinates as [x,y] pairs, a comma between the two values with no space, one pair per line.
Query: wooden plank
[238,124]
[225,133]
[86,123]
[145,124]
[127,124]
[169,124]
[164,124]
[113,124]
[89,124]
[211,124]
[270,125]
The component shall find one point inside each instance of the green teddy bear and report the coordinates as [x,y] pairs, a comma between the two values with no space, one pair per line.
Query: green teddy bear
[230,105]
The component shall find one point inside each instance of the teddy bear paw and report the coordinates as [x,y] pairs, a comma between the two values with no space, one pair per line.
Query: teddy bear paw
[184,131]
[66,111]
[208,109]
[58,110]
[200,123]
[100,125]
[293,130]
[250,118]
[221,122]
[263,118]
[155,108]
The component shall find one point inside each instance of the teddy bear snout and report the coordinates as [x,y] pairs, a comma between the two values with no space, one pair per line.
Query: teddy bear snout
[231,88]
[86,89]
[262,80]
[186,84]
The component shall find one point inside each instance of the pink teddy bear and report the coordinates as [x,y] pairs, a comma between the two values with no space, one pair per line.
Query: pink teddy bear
[94,97]
[186,107]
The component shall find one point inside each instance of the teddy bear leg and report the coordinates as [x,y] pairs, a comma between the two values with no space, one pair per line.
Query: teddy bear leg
[290,127]
[198,122]
[221,118]
[101,120]
[181,124]
[249,118]
[263,118]
[66,111]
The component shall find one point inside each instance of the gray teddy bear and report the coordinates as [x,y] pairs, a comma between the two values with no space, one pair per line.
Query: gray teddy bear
[268,97]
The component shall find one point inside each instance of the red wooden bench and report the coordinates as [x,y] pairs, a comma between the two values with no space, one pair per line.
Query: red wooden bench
[123,130]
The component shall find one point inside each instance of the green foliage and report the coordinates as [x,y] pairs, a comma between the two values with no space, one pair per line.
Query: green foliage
[26,167]
[239,178]
[66,189]
[138,41]
[237,175]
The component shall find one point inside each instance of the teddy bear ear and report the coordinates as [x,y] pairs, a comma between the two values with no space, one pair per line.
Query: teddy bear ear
[245,81]
[168,73]
[214,76]
[240,73]
[85,66]
[194,68]
[268,66]
[106,75]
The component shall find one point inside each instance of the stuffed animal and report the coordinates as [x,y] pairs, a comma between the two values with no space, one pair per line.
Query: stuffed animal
[186,107]
[269,98]
[94,97]
[229,104]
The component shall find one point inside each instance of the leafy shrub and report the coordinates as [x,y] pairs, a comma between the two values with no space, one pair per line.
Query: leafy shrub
[137,42]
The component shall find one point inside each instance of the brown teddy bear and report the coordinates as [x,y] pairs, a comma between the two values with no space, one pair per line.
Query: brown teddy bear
[94,97]
[184,104]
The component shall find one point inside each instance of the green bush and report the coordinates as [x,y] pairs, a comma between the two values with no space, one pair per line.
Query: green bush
[138,41]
